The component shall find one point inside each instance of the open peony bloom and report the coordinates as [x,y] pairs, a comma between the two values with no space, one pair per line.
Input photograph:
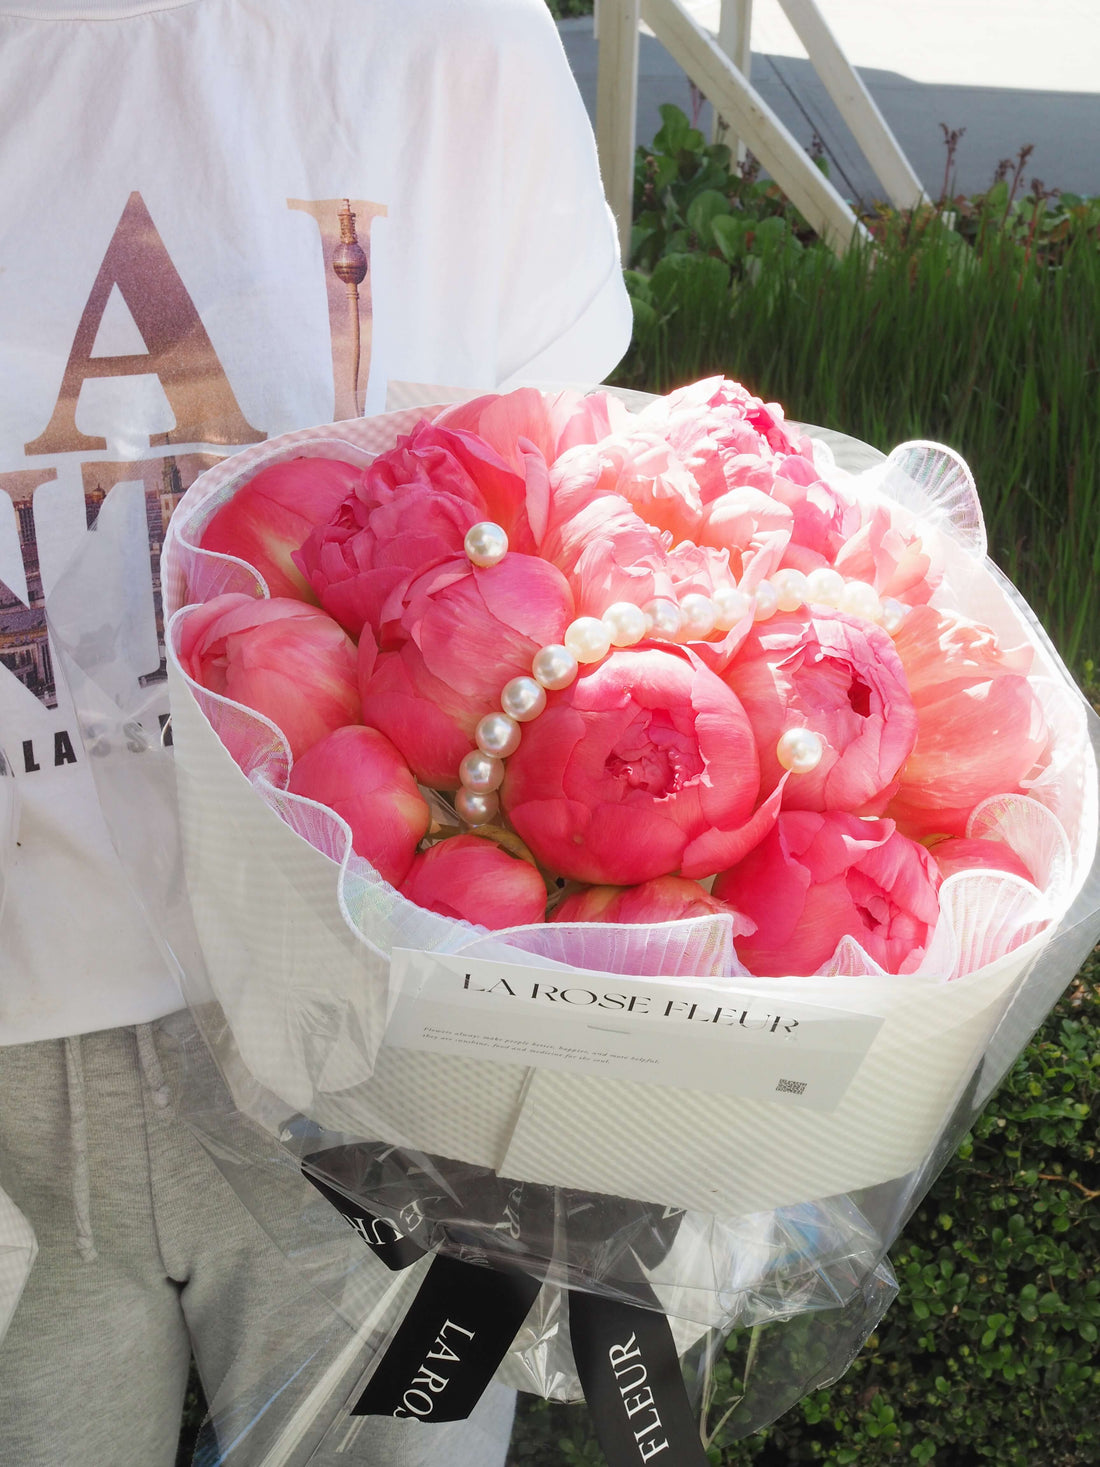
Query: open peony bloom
[269,517]
[664,899]
[889,558]
[635,466]
[609,554]
[358,773]
[286,660]
[472,879]
[467,631]
[753,528]
[823,518]
[980,725]
[711,423]
[410,510]
[818,877]
[840,677]
[644,766]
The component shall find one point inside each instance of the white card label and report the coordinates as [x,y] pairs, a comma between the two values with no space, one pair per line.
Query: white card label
[692,1036]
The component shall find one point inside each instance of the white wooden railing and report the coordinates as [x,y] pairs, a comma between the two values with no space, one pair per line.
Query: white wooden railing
[718,64]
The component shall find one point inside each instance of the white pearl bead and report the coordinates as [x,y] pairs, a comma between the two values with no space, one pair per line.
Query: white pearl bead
[893,614]
[860,599]
[731,605]
[625,622]
[824,586]
[767,601]
[554,666]
[662,618]
[800,750]
[790,585]
[523,699]
[497,734]
[481,773]
[476,808]
[588,639]
[485,544]
[698,616]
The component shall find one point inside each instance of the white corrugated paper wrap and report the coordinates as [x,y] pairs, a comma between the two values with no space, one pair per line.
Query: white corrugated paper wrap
[296,939]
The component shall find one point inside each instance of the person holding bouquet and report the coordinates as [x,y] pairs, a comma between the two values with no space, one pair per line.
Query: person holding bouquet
[223,219]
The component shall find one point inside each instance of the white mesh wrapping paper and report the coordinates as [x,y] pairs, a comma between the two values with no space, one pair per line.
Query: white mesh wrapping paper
[296,933]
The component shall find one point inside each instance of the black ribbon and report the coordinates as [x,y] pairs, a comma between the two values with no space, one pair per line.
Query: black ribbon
[385,1239]
[628,1367]
[466,1314]
[451,1342]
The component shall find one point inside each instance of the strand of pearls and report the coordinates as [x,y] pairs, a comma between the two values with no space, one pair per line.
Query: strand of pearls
[588,640]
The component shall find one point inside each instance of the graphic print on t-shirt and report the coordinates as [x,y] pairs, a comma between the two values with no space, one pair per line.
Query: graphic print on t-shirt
[140,337]
[24,643]
[345,226]
[178,350]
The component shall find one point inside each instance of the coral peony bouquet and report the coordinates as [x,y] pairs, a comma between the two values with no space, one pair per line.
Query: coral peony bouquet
[553,661]
[621,848]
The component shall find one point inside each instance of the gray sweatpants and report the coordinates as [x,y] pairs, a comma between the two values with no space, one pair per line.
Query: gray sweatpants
[145,1254]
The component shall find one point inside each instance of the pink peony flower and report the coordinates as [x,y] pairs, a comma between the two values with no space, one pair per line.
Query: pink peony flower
[840,677]
[664,899]
[824,518]
[644,766]
[269,517]
[638,467]
[958,853]
[753,528]
[551,422]
[710,423]
[359,774]
[474,880]
[818,877]
[608,553]
[466,632]
[286,660]
[778,511]
[410,511]
[980,725]
[892,560]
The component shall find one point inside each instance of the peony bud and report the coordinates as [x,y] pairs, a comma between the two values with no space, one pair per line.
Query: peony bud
[283,659]
[359,774]
[271,516]
[474,880]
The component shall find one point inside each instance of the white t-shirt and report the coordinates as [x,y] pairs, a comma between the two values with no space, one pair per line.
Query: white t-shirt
[177,184]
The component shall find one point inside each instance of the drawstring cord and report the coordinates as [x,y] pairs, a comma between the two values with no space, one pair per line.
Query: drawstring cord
[150,1065]
[78,1131]
[78,1125]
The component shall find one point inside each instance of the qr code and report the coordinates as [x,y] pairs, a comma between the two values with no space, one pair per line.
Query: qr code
[791,1087]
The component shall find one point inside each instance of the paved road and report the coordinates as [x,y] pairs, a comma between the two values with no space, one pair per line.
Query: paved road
[1008,71]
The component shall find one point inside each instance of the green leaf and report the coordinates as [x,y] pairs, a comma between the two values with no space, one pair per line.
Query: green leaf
[675,131]
[637,285]
[997,197]
[728,232]
[703,210]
